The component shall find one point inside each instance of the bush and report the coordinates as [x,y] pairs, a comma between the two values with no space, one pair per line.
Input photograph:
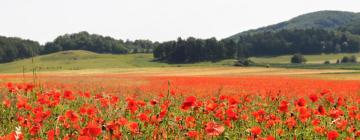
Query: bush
[298,59]
[244,62]
[353,59]
[347,59]
[327,62]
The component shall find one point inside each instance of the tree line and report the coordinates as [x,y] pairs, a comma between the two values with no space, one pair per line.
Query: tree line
[12,48]
[15,48]
[305,41]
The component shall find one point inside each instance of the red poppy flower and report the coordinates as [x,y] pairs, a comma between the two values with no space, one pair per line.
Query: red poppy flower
[255,130]
[290,122]
[153,102]
[188,103]
[114,100]
[190,122]
[35,129]
[213,129]
[133,127]
[283,107]
[71,115]
[332,135]
[6,103]
[51,134]
[68,95]
[321,110]
[313,97]
[300,102]
[319,130]
[231,114]
[192,134]
[143,117]
[85,138]
[92,129]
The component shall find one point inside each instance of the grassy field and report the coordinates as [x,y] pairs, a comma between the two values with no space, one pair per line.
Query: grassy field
[80,60]
[311,59]
[94,63]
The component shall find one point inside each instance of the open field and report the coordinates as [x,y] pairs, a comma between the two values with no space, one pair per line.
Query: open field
[80,60]
[186,102]
[97,96]
[229,79]
[85,60]
[311,59]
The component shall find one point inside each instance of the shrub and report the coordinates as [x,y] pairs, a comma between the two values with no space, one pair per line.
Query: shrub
[244,62]
[353,59]
[327,62]
[347,59]
[298,59]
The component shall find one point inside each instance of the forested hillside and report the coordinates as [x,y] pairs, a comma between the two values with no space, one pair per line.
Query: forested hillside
[328,20]
[15,48]
[308,41]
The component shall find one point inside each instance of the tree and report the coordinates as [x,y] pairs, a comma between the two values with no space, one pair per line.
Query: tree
[347,59]
[327,62]
[298,59]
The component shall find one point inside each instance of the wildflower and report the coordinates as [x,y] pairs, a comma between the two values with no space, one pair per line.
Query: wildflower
[313,97]
[71,115]
[213,129]
[255,130]
[18,132]
[92,129]
[51,134]
[283,107]
[300,102]
[192,134]
[188,103]
[133,127]
[332,135]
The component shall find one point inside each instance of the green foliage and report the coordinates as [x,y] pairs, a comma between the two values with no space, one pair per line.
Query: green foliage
[298,59]
[194,50]
[16,48]
[327,62]
[308,41]
[328,20]
[85,60]
[347,59]
[244,62]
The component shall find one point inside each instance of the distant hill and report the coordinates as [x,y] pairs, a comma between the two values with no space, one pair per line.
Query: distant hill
[328,20]
[85,60]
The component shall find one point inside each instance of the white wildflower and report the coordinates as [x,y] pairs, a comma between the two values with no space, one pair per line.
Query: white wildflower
[17,132]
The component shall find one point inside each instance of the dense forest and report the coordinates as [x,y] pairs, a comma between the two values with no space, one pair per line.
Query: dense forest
[307,41]
[97,43]
[15,48]
[328,20]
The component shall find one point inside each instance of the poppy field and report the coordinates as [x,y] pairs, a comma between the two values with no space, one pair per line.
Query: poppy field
[116,106]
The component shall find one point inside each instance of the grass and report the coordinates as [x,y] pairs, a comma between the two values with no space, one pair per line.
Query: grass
[81,60]
[94,62]
[311,59]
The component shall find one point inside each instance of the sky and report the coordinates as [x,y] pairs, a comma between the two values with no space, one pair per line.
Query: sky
[157,20]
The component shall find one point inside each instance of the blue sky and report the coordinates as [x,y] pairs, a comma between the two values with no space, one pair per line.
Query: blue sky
[157,20]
